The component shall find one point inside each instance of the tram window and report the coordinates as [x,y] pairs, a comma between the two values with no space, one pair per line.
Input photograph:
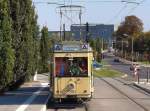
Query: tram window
[77,66]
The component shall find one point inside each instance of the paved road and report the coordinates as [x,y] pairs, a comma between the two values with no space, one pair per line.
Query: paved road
[123,67]
[29,97]
[108,96]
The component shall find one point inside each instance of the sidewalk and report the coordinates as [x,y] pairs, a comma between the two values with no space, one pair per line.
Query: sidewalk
[142,84]
[31,96]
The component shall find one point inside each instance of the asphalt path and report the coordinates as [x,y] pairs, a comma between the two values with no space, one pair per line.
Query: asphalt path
[31,96]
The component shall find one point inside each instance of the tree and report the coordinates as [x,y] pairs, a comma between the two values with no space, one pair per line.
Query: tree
[129,30]
[142,45]
[98,49]
[30,35]
[35,31]
[132,26]
[96,46]
[6,51]
[24,36]
[18,23]
[44,50]
[92,43]
[18,41]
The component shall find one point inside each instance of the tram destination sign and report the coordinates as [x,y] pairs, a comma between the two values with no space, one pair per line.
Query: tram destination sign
[71,47]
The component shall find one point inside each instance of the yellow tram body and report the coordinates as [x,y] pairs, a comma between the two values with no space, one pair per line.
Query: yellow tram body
[64,84]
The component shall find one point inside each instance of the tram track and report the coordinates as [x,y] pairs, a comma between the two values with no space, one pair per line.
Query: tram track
[121,92]
[134,87]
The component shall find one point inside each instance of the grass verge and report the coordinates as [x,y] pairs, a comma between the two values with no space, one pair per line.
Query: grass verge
[107,72]
[103,62]
[145,62]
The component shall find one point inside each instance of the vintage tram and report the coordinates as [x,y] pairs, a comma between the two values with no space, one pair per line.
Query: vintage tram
[71,71]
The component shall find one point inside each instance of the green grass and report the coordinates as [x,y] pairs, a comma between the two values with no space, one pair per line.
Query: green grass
[107,72]
[104,62]
[145,62]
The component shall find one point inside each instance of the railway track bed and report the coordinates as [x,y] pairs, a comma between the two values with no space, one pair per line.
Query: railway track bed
[111,95]
[133,95]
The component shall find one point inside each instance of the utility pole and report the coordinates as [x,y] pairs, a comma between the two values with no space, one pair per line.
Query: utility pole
[102,44]
[80,25]
[60,25]
[64,31]
[122,48]
[132,50]
[87,32]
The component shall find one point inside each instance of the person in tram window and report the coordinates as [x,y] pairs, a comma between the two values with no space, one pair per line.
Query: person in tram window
[75,69]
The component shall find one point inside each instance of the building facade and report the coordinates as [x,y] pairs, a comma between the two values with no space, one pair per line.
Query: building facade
[94,31]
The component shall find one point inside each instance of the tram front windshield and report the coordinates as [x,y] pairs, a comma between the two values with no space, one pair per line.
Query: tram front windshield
[71,67]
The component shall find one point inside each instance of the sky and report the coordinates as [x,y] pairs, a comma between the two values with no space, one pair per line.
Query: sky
[94,11]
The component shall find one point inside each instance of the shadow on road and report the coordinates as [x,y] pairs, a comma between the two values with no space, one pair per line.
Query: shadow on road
[65,104]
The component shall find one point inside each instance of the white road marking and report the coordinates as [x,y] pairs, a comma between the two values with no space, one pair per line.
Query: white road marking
[31,98]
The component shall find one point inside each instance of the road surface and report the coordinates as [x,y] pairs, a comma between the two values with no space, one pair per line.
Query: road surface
[30,96]
[113,95]
[109,95]
[123,67]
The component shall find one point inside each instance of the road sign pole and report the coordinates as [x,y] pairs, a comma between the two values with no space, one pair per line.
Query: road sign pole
[138,78]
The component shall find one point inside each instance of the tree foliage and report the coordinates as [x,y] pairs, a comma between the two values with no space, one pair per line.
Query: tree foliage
[132,26]
[18,41]
[96,46]
[44,50]
[142,44]
[132,29]
[6,51]
[129,29]
[24,37]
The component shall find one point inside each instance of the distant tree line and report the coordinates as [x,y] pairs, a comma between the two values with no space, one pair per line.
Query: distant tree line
[19,41]
[97,45]
[131,29]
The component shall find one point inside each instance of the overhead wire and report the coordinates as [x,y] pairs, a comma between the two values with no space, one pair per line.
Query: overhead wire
[118,14]
[137,4]
[96,1]
[124,7]
[132,9]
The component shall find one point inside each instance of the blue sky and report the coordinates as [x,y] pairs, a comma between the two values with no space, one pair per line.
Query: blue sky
[94,12]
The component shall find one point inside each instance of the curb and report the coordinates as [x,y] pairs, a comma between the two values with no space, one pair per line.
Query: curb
[145,89]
